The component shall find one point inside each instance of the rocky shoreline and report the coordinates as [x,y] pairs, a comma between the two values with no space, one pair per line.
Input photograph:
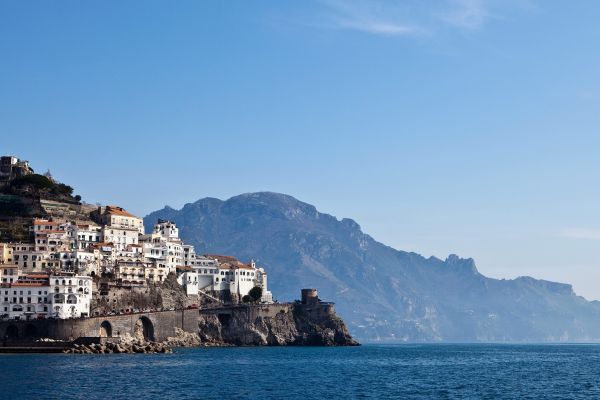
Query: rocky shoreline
[120,348]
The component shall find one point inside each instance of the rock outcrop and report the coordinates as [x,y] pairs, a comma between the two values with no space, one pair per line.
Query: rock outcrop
[121,347]
[183,339]
[275,325]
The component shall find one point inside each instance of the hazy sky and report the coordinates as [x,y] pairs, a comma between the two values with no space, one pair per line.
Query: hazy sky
[468,127]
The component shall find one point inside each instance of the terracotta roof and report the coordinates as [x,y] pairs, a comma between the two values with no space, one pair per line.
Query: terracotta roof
[102,244]
[222,258]
[87,226]
[29,284]
[184,268]
[44,222]
[118,211]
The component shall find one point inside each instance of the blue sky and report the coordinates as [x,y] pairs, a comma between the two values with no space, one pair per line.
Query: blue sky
[467,126]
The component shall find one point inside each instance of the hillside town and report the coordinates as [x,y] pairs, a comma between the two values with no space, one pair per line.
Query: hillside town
[70,255]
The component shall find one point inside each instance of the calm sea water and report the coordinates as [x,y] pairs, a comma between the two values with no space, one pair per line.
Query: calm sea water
[370,371]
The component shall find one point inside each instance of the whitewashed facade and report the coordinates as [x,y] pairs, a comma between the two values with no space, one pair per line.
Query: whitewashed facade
[42,296]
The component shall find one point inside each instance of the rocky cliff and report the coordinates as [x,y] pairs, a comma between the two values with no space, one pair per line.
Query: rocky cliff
[274,325]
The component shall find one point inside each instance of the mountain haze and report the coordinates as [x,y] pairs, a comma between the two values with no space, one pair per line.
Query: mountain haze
[382,293]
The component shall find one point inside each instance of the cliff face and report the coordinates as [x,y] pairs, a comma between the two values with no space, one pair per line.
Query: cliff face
[274,325]
[162,296]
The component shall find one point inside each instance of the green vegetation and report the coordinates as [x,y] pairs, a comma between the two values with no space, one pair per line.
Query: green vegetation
[40,186]
[33,182]
[12,206]
[255,293]
[14,230]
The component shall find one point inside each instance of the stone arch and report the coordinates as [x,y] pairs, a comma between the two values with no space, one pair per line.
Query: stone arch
[12,332]
[224,319]
[30,331]
[105,329]
[144,329]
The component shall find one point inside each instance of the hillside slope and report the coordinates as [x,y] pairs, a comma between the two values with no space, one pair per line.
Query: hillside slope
[382,293]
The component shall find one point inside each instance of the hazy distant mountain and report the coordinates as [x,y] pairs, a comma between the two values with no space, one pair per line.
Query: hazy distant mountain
[382,293]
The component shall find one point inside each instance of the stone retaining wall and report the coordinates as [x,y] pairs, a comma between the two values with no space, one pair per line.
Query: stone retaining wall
[155,326]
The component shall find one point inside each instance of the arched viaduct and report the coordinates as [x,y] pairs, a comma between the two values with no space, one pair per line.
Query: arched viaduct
[153,326]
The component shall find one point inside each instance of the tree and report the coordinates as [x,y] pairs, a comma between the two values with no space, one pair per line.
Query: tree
[63,189]
[255,293]
[32,183]
[247,299]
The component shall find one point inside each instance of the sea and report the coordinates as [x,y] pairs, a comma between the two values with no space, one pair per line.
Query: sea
[406,371]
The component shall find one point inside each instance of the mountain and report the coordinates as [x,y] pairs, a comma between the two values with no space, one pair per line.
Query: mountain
[382,293]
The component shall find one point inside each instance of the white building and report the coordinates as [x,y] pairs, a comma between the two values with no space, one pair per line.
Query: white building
[87,235]
[189,255]
[226,273]
[9,273]
[164,249]
[53,235]
[117,217]
[82,262]
[43,296]
[120,237]
[27,298]
[31,260]
[71,296]
[120,227]
[188,278]
[208,270]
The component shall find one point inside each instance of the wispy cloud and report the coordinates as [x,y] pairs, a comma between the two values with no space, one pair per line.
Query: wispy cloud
[408,17]
[376,17]
[581,233]
[468,14]
[378,27]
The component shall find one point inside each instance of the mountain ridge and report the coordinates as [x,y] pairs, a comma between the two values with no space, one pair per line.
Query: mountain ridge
[383,293]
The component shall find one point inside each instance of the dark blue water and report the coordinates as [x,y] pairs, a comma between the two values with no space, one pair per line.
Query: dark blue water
[402,371]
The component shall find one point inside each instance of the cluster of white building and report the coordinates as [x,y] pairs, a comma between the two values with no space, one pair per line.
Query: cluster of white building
[46,296]
[115,245]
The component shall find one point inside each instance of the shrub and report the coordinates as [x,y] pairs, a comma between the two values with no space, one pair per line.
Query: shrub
[255,293]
